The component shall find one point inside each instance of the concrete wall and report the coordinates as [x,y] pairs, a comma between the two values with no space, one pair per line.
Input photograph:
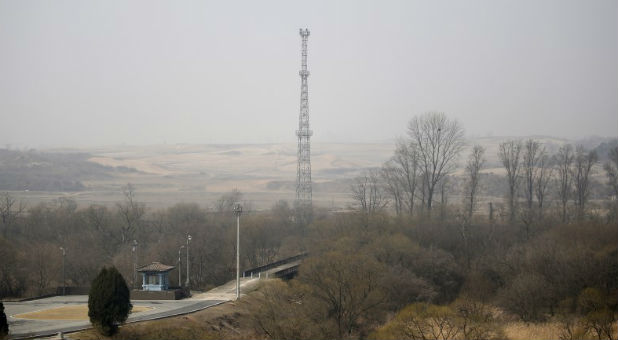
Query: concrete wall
[175,294]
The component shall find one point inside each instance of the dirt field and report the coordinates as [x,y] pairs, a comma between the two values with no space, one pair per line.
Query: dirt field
[79,312]
[230,320]
[164,175]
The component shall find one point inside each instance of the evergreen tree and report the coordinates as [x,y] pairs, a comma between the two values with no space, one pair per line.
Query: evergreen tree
[4,325]
[109,301]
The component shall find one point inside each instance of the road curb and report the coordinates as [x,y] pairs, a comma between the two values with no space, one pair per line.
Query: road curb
[82,328]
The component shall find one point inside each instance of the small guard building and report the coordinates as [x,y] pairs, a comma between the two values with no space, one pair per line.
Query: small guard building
[155,276]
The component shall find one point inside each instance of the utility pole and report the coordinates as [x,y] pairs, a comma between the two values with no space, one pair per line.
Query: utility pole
[134,263]
[188,240]
[303,171]
[179,265]
[64,255]
[237,212]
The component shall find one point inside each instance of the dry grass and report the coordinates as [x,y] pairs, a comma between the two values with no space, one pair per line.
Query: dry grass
[79,312]
[532,331]
[168,174]
[230,320]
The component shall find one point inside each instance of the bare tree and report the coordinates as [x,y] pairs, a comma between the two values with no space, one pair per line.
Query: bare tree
[423,193]
[581,170]
[444,188]
[131,213]
[347,285]
[392,179]
[43,264]
[532,153]
[226,202]
[564,161]
[368,193]
[10,210]
[509,154]
[544,176]
[406,159]
[439,142]
[475,163]
[611,169]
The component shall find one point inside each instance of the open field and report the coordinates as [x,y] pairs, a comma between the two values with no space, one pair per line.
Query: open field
[164,175]
[532,331]
[167,174]
[79,312]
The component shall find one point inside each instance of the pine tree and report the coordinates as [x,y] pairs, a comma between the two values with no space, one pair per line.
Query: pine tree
[109,301]
[4,325]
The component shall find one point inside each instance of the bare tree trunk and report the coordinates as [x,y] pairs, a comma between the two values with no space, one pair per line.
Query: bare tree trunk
[473,168]
[406,160]
[543,179]
[508,153]
[581,177]
[443,198]
[611,170]
[131,213]
[392,179]
[423,192]
[532,152]
[367,191]
[564,160]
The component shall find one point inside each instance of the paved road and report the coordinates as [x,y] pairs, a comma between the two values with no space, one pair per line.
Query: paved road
[26,328]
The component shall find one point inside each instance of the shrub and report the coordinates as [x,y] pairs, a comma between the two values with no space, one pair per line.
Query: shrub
[4,326]
[464,319]
[525,296]
[109,301]
[598,315]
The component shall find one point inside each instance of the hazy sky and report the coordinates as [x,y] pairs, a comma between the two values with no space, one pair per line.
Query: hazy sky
[84,73]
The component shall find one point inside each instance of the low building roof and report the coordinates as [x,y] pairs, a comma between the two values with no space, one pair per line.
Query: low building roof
[156,267]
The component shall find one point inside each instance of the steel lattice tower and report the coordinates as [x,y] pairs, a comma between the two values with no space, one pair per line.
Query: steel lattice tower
[303,172]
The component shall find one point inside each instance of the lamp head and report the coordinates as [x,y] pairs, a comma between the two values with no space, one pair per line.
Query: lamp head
[237,209]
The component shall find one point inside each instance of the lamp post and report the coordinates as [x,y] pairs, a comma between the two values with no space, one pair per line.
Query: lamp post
[64,255]
[237,212]
[179,265]
[188,240]
[134,249]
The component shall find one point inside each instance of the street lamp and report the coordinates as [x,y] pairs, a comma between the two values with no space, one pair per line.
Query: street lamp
[237,212]
[134,249]
[188,240]
[179,269]
[64,255]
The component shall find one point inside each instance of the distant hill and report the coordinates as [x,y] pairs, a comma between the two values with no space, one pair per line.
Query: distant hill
[48,171]
[603,149]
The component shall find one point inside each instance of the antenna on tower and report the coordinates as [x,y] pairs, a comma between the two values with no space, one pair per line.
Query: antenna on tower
[303,172]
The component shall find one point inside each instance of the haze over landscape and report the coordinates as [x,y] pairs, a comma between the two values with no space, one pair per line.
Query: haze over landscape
[449,172]
[153,72]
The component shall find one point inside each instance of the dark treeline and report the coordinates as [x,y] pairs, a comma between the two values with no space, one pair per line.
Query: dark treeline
[410,264]
[362,270]
[97,235]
